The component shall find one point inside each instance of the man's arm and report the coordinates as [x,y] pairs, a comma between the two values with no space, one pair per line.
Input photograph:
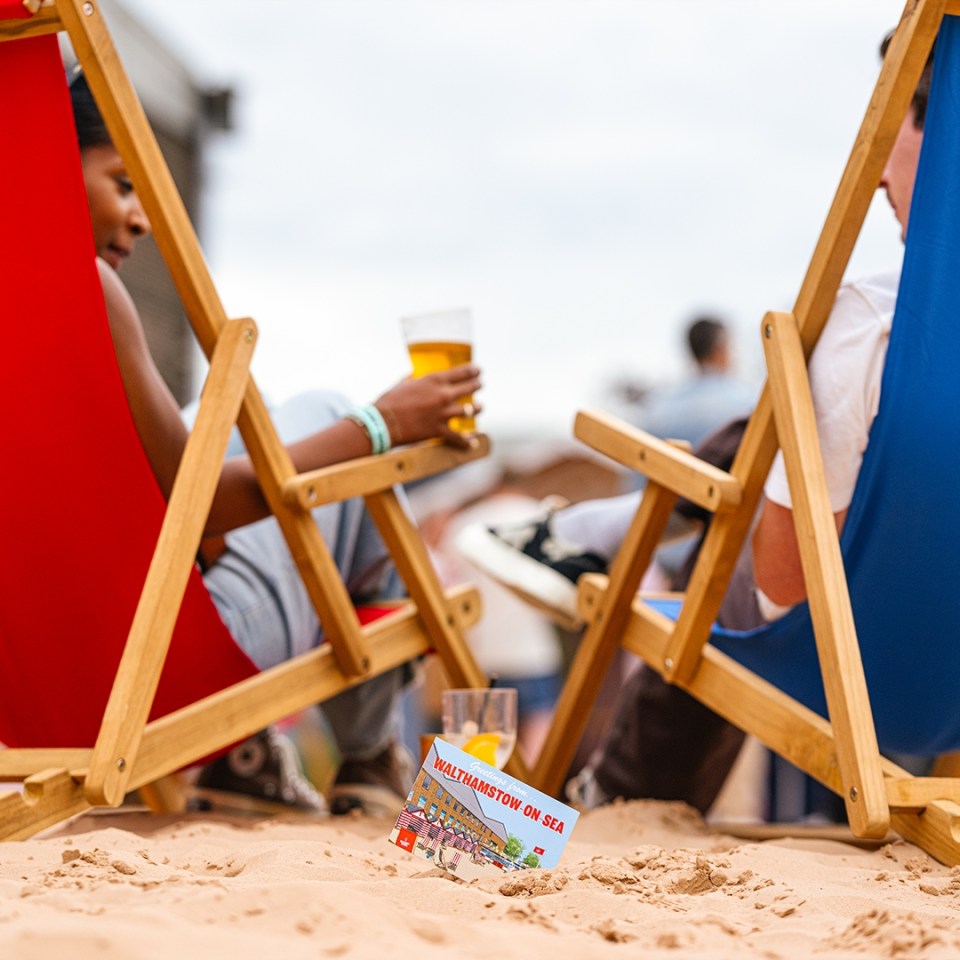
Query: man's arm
[776,554]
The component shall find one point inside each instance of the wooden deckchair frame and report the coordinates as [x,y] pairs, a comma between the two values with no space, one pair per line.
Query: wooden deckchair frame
[130,752]
[841,753]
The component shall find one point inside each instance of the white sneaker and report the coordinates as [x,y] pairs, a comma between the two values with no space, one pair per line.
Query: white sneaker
[529,559]
[583,791]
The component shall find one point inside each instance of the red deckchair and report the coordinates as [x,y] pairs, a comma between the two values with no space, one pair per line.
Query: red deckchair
[115,668]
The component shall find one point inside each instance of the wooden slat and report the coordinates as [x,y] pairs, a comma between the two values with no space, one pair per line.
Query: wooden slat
[132,135]
[134,139]
[196,482]
[419,575]
[183,737]
[936,830]
[48,798]
[366,475]
[827,592]
[45,20]
[667,463]
[722,545]
[166,795]
[792,730]
[835,832]
[797,733]
[602,638]
[17,763]
[916,793]
[947,765]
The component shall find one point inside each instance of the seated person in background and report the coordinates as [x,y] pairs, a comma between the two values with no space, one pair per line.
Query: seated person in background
[255,584]
[542,559]
[692,408]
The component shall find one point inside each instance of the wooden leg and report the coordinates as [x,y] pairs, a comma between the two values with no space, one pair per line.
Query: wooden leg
[947,765]
[165,795]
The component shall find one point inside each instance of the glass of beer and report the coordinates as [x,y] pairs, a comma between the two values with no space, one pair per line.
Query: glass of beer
[438,341]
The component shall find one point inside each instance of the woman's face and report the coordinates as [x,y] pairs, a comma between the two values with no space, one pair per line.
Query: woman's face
[116,214]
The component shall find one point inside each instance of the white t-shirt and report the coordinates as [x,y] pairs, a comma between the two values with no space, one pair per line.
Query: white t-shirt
[845,371]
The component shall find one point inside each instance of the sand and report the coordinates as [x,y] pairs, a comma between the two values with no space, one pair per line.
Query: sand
[639,879]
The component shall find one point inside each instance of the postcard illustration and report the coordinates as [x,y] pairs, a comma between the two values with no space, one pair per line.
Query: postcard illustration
[473,820]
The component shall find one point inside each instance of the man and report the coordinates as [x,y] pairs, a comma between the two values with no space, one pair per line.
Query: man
[663,744]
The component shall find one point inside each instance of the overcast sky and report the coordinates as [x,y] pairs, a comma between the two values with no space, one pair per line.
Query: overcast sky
[583,174]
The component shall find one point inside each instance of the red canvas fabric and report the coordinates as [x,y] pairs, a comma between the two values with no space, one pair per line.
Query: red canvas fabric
[79,508]
[13,10]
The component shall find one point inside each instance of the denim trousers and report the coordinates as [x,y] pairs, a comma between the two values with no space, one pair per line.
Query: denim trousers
[260,596]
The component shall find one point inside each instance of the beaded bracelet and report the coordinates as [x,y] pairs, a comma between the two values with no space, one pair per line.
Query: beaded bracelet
[371,421]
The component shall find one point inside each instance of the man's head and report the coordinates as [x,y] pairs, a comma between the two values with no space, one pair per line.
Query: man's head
[900,171]
[709,343]
[116,214]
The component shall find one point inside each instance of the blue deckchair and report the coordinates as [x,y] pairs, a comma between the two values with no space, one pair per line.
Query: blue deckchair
[882,614]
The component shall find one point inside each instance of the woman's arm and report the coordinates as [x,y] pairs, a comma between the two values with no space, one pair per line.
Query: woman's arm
[414,410]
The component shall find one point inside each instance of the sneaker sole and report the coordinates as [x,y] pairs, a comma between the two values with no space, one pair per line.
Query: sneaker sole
[230,801]
[534,582]
[374,801]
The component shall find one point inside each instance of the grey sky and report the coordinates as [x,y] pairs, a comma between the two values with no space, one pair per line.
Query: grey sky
[582,173]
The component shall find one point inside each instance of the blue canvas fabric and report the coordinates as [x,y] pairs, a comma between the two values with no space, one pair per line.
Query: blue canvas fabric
[901,540]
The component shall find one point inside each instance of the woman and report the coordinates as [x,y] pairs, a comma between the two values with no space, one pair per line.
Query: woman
[254,583]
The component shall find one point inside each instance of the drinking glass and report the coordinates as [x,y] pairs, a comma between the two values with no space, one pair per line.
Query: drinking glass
[481,721]
[438,341]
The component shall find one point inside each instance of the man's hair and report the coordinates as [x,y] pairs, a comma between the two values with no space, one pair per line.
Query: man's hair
[921,96]
[87,119]
[704,336]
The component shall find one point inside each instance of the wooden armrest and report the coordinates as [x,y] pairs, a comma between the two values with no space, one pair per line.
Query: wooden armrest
[17,763]
[661,461]
[366,475]
[38,18]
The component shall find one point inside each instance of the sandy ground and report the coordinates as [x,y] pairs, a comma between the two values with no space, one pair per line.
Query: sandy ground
[639,879]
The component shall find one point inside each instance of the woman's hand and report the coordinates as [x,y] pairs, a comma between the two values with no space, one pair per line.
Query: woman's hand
[418,409]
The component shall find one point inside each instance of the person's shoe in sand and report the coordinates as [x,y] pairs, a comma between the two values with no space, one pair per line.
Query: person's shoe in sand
[583,791]
[532,561]
[264,773]
[378,786]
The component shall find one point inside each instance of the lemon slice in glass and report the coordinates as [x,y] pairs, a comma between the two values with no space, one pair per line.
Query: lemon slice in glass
[484,747]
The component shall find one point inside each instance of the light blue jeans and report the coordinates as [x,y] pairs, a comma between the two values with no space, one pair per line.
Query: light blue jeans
[258,592]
